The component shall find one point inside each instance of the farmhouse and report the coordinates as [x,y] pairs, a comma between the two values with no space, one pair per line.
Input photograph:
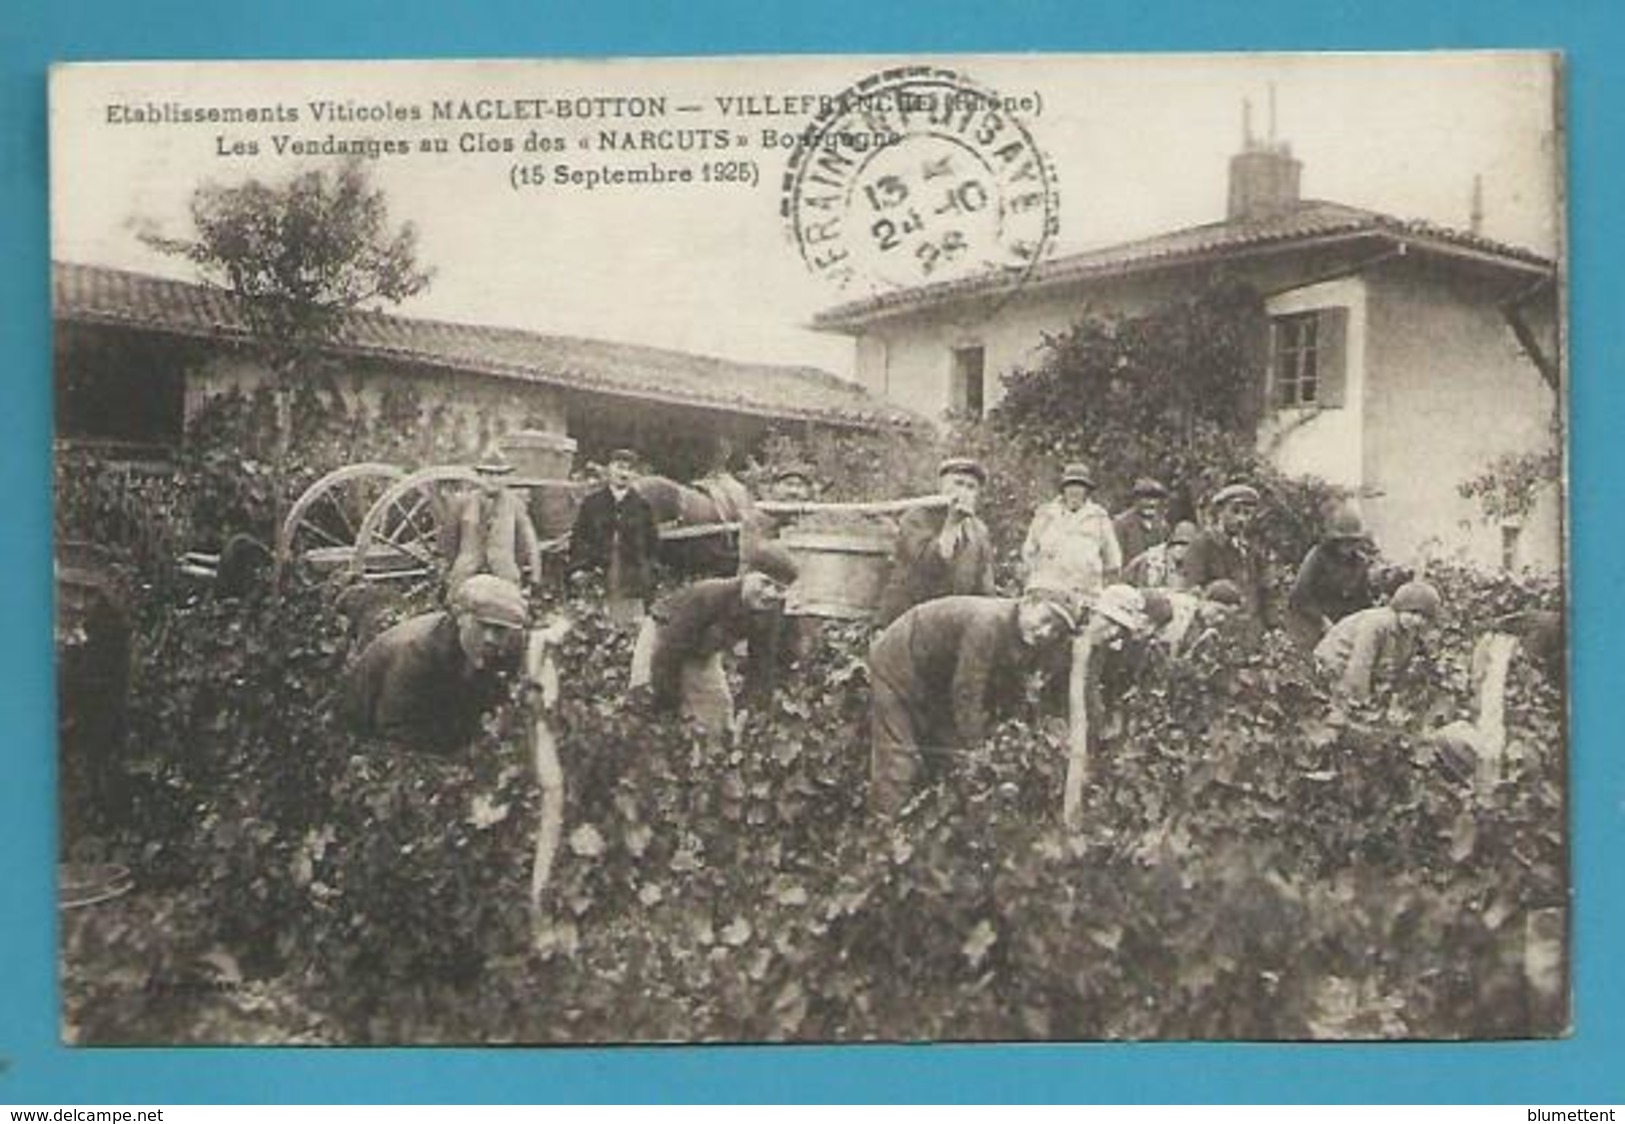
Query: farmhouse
[1403,357]
[137,355]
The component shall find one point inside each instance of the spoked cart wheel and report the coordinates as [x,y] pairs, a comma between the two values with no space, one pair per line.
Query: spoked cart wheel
[317,539]
[399,540]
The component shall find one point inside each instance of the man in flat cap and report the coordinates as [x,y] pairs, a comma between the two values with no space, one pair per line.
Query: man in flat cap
[678,656]
[1071,547]
[1110,653]
[941,552]
[1334,581]
[1145,522]
[1192,620]
[793,482]
[1540,634]
[1374,646]
[427,682]
[940,670]
[789,483]
[1161,566]
[615,532]
[1226,551]
[489,529]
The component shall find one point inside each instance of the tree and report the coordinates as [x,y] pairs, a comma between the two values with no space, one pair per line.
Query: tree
[1174,392]
[301,255]
[1157,380]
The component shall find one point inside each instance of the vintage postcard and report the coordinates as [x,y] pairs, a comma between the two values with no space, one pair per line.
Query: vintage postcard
[811,549]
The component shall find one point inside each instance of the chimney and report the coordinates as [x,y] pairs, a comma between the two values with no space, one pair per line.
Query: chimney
[1475,217]
[1263,175]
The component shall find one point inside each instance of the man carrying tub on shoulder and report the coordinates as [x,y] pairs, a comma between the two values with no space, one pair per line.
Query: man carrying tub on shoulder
[941,552]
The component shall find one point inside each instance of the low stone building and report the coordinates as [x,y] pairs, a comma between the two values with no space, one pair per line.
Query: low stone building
[137,356]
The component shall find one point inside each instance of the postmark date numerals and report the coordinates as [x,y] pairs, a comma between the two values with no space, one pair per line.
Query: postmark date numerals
[889,233]
[886,193]
[945,251]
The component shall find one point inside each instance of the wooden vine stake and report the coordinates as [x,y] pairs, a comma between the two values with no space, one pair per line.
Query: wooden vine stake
[542,682]
[1485,737]
[1077,757]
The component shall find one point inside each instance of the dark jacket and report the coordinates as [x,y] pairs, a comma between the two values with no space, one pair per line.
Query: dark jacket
[1212,556]
[1542,635]
[1330,586]
[956,660]
[413,685]
[919,572]
[695,623]
[608,531]
[1133,537]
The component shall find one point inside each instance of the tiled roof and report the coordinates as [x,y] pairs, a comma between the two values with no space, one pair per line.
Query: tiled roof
[1310,221]
[112,296]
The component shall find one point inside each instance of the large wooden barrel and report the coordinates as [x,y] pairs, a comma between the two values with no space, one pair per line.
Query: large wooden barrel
[542,462]
[843,570]
[537,454]
[553,505]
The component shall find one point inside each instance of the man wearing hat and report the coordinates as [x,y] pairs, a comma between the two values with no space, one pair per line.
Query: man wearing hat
[1145,523]
[678,655]
[1540,634]
[1158,567]
[1226,551]
[426,682]
[1334,580]
[1071,547]
[789,483]
[489,529]
[1377,643]
[615,532]
[938,672]
[941,552]
[1186,620]
[1113,647]
[793,482]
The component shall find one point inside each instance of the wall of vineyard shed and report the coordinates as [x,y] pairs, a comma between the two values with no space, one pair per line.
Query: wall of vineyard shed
[476,408]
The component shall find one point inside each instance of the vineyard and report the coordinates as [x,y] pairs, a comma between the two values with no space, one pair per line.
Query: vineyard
[1251,862]
[1251,865]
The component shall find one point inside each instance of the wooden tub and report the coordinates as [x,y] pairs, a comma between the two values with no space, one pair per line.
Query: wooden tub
[843,570]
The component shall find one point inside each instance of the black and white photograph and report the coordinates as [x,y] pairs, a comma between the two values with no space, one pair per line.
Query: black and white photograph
[833,549]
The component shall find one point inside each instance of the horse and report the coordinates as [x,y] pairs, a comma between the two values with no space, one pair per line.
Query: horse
[713,501]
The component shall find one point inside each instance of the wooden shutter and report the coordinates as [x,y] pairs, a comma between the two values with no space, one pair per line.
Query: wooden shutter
[1271,385]
[1331,358]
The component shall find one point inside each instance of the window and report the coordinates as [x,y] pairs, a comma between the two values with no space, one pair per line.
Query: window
[1307,359]
[1297,359]
[1511,533]
[967,393]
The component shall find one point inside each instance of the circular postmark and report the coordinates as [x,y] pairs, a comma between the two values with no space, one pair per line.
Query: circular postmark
[916,176]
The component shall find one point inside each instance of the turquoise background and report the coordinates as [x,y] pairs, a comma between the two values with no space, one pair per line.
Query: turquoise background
[1590,1067]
